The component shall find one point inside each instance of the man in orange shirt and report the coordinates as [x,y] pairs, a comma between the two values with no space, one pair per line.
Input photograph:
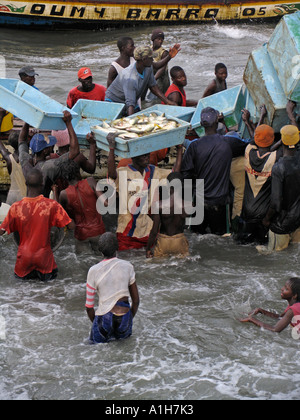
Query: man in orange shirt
[33,217]
[87,89]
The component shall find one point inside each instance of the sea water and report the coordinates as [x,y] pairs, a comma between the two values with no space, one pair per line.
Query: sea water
[187,342]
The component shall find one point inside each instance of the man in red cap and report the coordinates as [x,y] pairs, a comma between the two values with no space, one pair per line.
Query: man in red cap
[87,89]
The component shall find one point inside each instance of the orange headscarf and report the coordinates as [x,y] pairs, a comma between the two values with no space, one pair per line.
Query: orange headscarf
[264,136]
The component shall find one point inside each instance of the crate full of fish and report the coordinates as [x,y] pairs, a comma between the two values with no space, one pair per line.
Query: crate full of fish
[91,113]
[31,105]
[184,113]
[143,133]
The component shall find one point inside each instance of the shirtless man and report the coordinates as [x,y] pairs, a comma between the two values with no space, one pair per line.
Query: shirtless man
[168,229]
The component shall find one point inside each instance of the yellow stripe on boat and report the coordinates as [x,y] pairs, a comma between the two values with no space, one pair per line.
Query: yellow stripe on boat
[143,11]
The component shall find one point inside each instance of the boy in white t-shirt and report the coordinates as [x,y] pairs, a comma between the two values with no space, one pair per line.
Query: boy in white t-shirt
[113,280]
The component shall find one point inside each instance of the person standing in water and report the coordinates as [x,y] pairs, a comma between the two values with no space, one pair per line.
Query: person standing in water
[32,218]
[169,222]
[113,280]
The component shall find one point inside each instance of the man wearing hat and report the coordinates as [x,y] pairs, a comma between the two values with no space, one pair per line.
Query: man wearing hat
[42,146]
[129,86]
[27,75]
[283,216]
[87,89]
[209,158]
[259,161]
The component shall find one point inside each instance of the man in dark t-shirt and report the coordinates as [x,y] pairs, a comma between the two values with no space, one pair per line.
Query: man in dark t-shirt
[209,158]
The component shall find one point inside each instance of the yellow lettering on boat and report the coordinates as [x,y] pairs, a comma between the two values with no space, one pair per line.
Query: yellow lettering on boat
[177,12]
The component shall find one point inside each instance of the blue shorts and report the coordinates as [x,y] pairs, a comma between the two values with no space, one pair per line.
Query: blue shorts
[110,327]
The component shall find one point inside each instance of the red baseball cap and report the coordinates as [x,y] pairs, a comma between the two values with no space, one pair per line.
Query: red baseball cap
[84,73]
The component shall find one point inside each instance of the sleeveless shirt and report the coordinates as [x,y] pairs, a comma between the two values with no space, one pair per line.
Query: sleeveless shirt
[174,88]
[82,203]
[220,86]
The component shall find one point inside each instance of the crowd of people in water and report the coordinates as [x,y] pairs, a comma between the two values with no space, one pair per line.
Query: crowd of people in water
[251,186]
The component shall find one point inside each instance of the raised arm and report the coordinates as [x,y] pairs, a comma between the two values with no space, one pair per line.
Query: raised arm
[24,156]
[290,106]
[178,162]
[173,51]
[249,124]
[74,145]
[262,115]
[112,171]
[88,165]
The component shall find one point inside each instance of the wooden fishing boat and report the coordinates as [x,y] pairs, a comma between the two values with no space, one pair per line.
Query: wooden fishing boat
[271,77]
[89,14]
